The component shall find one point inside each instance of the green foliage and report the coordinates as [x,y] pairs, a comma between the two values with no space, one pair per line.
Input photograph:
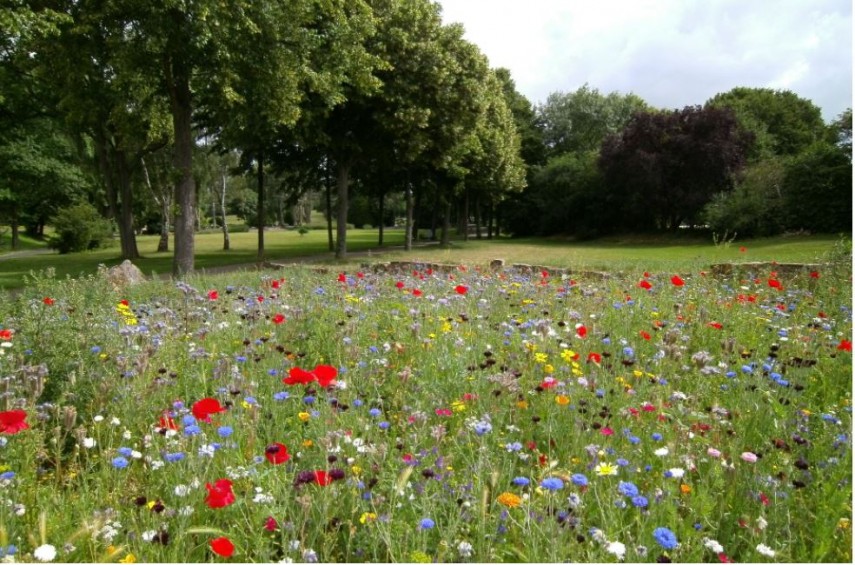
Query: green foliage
[817,190]
[781,121]
[78,228]
[755,207]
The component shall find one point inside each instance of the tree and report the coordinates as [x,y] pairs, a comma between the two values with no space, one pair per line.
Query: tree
[664,167]
[782,122]
[579,121]
[817,190]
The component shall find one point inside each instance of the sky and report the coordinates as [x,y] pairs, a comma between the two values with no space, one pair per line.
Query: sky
[671,53]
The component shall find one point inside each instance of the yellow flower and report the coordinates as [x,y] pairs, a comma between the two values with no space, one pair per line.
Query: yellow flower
[548,369]
[304,416]
[509,499]
[129,558]
[562,400]
[367,517]
[540,357]
[843,524]
[685,489]
[637,374]
[522,404]
[567,355]
[420,557]
[446,327]
[458,406]
[605,469]
[356,469]
[308,443]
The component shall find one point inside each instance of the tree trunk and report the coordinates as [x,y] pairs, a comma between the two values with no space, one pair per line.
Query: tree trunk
[328,187]
[178,79]
[166,217]
[490,220]
[382,205]
[262,213]
[464,221]
[446,226]
[14,226]
[226,242]
[477,218]
[408,228]
[127,237]
[342,185]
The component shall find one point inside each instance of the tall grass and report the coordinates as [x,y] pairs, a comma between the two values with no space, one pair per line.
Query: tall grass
[478,416]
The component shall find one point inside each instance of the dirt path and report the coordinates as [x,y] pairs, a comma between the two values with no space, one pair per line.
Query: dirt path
[26,253]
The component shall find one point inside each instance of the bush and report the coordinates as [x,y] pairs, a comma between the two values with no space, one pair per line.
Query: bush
[78,228]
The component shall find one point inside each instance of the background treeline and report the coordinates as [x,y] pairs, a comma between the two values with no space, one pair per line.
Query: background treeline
[172,117]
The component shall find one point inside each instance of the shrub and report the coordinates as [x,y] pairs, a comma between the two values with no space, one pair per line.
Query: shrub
[78,228]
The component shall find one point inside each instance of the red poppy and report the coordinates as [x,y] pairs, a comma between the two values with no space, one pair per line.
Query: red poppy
[325,375]
[213,295]
[644,335]
[278,319]
[48,300]
[360,275]
[607,431]
[223,547]
[399,285]
[271,524]
[814,274]
[203,409]
[581,330]
[594,358]
[743,249]
[645,274]
[645,285]
[298,376]
[219,494]
[544,274]
[774,283]
[322,478]
[276,284]
[166,422]
[12,422]
[124,302]
[844,345]
[5,335]
[277,453]
[716,325]
[460,289]
[677,281]
[342,277]
[417,292]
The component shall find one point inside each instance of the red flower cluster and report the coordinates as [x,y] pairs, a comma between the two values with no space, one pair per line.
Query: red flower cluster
[6,335]
[223,547]
[277,453]
[323,374]
[203,409]
[219,494]
[12,422]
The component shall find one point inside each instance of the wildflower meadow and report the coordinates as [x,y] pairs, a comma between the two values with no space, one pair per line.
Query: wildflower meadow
[475,415]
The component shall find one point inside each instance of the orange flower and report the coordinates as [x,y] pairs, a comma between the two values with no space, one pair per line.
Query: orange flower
[685,489]
[509,499]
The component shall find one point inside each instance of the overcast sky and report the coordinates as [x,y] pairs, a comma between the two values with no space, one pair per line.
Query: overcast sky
[672,53]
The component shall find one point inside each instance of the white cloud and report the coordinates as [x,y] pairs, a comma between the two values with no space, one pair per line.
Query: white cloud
[672,53]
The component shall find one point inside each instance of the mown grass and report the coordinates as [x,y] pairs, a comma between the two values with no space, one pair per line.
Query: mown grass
[612,254]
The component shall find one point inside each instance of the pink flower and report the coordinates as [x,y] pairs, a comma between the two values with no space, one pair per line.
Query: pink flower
[713,452]
[749,457]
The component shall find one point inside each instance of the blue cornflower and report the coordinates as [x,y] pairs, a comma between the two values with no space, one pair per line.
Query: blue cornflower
[188,420]
[120,462]
[125,451]
[552,483]
[639,501]
[250,400]
[600,393]
[521,481]
[426,524]
[174,457]
[281,396]
[622,462]
[193,430]
[374,412]
[95,349]
[627,489]
[7,476]
[657,436]
[515,446]
[309,399]
[357,403]
[225,431]
[482,428]
[665,538]
[579,480]
[273,372]
[240,358]
[384,425]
